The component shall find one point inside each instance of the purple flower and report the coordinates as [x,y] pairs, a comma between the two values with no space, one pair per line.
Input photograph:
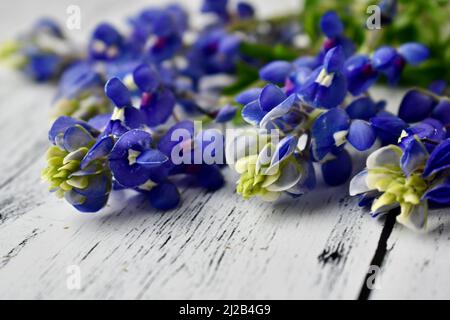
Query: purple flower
[332,27]
[83,180]
[391,62]
[270,109]
[326,87]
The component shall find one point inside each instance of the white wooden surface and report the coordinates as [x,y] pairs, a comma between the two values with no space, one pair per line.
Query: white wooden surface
[215,246]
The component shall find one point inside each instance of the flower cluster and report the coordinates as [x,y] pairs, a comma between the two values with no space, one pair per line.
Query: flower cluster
[321,111]
[140,109]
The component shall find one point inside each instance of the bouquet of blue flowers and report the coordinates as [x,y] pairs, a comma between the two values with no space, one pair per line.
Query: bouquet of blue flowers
[140,109]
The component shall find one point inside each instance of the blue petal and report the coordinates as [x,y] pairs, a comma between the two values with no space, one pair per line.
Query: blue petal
[252,113]
[414,157]
[146,78]
[63,123]
[362,108]
[383,56]
[442,111]
[245,10]
[151,158]
[118,93]
[332,96]
[166,143]
[360,74]
[99,122]
[326,125]
[337,171]
[92,204]
[229,45]
[276,71]
[428,129]
[77,78]
[210,177]
[137,140]
[414,53]
[331,25]
[440,193]
[416,105]
[107,33]
[282,109]
[164,196]
[270,97]
[283,149]
[248,96]
[334,60]
[129,175]
[77,137]
[438,87]
[99,185]
[133,118]
[309,62]
[225,114]
[43,67]
[99,150]
[439,159]
[361,135]
[160,108]
[388,128]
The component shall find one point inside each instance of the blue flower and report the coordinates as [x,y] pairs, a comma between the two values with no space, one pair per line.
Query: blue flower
[391,62]
[218,7]
[418,105]
[388,128]
[84,181]
[215,51]
[360,74]
[133,161]
[206,175]
[271,109]
[332,27]
[42,53]
[409,177]
[225,114]
[245,10]
[106,43]
[333,128]
[326,87]
[276,71]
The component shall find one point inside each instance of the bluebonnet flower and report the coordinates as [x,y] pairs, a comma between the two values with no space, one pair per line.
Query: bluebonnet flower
[388,11]
[410,178]
[106,43]
[329,133]
[245,10]
[225,114]
[217,7]
[272,109]
[215,51]
[133,161]
[391,61]
[42,53]
[332,27]
[388,127]
[418,105]
[190,146]
[326,86]
[156,101]
[84,183]
[80,93]
[267,169]
[362,72]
